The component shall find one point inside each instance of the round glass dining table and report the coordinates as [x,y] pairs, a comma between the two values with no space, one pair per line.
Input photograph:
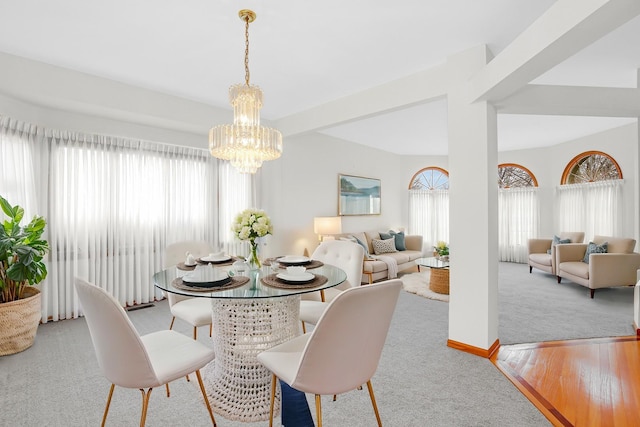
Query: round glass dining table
[247,320]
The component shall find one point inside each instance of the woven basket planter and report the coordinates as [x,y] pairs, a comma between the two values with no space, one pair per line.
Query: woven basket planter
[439,281]
[19,322]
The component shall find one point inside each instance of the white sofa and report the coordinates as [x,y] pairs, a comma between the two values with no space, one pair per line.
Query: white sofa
[373,269]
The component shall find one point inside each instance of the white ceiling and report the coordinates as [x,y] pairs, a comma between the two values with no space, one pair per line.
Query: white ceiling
[306,54]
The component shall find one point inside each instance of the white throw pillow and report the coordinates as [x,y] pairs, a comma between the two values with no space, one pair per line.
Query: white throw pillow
[384,246]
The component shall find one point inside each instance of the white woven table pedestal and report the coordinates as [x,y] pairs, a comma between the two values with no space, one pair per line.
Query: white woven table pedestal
[238,386]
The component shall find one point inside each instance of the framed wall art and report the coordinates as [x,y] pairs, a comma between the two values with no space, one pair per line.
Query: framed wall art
[358,195]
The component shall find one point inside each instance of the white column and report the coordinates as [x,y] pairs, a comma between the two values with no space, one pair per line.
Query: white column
[473,218]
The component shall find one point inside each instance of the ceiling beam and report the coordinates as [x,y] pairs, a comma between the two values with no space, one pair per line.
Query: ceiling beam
[564,29]
[55,87]
[572,101]
[402,93]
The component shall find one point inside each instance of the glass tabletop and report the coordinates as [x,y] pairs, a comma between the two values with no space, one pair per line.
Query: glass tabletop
[432,262]
[254,288]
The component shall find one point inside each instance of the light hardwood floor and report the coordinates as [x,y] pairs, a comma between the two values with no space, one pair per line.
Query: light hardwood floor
[589,382]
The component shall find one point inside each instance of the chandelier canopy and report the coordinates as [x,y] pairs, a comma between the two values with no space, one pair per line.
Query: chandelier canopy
[245,143]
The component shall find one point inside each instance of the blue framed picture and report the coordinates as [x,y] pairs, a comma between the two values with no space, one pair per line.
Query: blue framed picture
[358,195]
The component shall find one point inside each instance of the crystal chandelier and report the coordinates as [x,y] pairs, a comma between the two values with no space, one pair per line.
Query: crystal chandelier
[245,143]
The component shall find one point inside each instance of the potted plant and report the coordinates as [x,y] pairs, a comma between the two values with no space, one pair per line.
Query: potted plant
[21,267]
[442,250]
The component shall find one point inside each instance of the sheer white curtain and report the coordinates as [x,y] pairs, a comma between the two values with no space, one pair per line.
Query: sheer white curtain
[236,192]
[113,204]
[518,220]
[594,207]
[429,216]
[17,175]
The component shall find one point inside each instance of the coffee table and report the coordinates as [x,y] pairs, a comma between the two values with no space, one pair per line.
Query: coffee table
[439,277]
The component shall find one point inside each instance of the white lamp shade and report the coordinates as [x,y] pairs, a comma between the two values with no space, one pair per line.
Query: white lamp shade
[323,225]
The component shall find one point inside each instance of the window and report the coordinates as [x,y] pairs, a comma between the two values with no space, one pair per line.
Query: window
[429,205]
[113,204]
[590,197]
[591,166]
[511,175]
[518,211]
[430,178]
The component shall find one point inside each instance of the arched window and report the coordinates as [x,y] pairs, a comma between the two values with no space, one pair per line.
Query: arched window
[590,198]
[430,178]
[518,211]
[429,206]
[513,175]
[591,166]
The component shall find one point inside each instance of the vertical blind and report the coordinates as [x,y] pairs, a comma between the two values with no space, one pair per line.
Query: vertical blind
[113,204]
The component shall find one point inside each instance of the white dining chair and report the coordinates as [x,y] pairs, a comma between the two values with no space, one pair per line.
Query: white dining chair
[345,255]
[343,350]
[133,361]
[194,311]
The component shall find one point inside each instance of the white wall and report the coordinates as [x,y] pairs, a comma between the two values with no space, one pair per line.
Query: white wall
[303,184]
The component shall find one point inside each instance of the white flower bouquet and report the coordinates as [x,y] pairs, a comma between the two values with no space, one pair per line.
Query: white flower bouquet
[249,225]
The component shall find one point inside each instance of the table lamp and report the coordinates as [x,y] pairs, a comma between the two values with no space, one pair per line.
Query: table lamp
[324,225]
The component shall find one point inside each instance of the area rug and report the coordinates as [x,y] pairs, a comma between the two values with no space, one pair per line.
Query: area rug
[418,283]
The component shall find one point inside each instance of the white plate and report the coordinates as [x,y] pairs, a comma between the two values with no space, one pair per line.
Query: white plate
[293,259]
[215,259]
[206,275]
[305,277]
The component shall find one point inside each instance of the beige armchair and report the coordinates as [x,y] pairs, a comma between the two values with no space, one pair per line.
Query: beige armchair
[538,249]
[617,267]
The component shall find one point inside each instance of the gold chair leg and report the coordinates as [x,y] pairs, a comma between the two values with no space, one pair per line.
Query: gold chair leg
[206,399]
[304,329]
[335,397]
[210,330]
[172,320]
[318,410]
[195,333]
[145,405]
[274,384]
[168,393]
[106,409]
[373,403]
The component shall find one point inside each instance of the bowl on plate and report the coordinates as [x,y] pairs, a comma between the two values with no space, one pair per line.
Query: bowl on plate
[296,270]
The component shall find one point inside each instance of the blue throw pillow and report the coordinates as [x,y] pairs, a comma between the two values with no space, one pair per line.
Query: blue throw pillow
[384,236]
[592,248]
[556,241]
[399,236]
[367,255]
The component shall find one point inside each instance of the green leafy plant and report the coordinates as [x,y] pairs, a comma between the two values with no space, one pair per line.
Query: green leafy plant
[441,248]
[22,250]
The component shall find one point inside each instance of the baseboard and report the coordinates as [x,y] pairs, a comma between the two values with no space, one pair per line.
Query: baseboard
[477,351]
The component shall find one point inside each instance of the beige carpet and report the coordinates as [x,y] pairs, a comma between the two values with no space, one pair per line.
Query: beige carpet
[418,283]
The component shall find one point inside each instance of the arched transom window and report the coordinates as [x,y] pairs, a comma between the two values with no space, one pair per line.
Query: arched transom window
[430,178]
[591,166]
[513,175]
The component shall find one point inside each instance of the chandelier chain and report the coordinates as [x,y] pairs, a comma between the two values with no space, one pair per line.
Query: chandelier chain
[246,50]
